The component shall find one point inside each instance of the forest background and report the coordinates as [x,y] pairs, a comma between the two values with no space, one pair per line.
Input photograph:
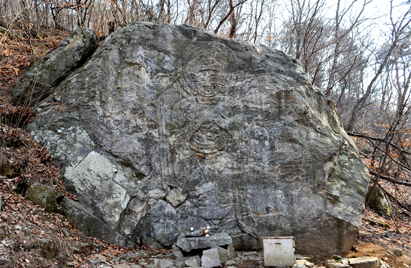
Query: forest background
[357,52]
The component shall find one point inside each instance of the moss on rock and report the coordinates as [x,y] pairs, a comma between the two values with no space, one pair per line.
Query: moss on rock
[42,195]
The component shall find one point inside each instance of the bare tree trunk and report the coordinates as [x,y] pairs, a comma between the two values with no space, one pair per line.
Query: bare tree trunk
[397,30]
[228,15]
[233,21]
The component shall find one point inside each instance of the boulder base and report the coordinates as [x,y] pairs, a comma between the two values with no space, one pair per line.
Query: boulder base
[170,127]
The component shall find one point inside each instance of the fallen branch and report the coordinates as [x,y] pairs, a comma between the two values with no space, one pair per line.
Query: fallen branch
[376,146]
[362,135]
[391,179]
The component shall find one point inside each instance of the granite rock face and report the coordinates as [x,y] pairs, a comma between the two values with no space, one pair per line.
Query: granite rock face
[45,75]
[169,127]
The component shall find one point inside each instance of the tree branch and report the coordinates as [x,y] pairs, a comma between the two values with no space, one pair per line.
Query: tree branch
[228,15]
[390,179]
[362,135]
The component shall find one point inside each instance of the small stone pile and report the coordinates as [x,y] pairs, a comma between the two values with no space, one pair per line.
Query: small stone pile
[242,259]
[215,250]
[219,256]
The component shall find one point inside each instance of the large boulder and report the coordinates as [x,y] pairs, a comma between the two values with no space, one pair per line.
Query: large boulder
[45,75]
[170,127]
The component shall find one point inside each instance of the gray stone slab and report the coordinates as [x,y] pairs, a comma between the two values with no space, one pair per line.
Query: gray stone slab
[181,262]
[177,252]
[187,244]
[231,252]
[364,262]
[337,265]
[165,263]
[193,261]
[223,254]
[210,258]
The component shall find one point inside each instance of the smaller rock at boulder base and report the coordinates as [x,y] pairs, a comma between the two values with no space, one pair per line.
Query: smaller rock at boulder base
[379,203]
[187,244]
[223,254]
[309,264]
[231,251]
[210,258]
[101,258]
[364,262]
[2,234]
[177,252]
[193,262]
[49,249]
[397,252]
[180,262]
[337,265]
[43,196]
[165,263]
[383,264]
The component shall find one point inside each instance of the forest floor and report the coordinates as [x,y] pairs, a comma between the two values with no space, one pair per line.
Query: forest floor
[28,227]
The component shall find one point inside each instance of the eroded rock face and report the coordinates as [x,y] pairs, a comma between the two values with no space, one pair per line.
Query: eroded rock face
[169,127]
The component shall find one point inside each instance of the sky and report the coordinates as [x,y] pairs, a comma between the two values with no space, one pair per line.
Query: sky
[379,9]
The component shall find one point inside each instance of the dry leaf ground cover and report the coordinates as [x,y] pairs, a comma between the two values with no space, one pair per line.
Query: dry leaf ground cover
[31,233]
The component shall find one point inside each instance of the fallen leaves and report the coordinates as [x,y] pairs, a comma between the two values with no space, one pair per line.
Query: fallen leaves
[29,161]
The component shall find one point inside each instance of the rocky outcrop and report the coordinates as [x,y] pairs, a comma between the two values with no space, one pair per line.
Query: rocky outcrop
[169,127]
[45,75]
